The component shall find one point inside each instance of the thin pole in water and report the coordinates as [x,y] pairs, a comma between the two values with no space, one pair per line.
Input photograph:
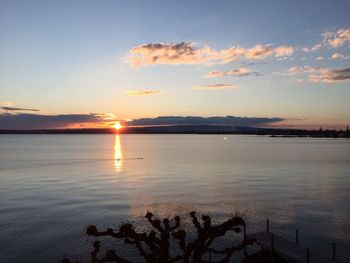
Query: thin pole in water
[244,239]
[245,231]
[267,225]
[272,242]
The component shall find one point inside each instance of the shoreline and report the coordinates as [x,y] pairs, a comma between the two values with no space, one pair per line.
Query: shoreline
[195,129]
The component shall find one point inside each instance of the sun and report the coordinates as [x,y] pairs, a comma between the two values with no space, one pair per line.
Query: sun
[117,126]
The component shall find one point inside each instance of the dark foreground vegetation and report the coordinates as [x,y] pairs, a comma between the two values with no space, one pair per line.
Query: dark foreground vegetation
[155,245]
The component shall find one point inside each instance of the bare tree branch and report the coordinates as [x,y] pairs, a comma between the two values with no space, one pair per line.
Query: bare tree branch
[155,246]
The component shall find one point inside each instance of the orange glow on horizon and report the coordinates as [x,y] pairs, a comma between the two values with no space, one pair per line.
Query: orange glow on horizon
[117,126]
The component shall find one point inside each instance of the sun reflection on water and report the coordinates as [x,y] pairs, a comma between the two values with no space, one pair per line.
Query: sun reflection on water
[118,154]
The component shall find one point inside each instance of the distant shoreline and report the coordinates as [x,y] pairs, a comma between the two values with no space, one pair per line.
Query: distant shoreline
[196,129]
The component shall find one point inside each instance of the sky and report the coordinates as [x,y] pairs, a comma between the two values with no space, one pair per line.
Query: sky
[91,63]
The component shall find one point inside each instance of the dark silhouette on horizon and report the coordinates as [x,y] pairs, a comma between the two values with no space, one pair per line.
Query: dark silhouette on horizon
[195,129]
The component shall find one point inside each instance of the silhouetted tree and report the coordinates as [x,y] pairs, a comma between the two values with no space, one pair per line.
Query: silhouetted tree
[154,246]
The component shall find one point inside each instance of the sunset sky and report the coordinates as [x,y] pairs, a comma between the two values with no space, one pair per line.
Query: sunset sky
[91,63]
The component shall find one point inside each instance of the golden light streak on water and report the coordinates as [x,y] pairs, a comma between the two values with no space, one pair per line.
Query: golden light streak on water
[118,154]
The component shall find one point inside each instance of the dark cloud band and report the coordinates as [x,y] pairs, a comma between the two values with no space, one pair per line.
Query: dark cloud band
[190,120]
[36,121]
[17,109]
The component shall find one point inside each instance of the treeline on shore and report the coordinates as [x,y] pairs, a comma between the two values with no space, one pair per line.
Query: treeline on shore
[195,129]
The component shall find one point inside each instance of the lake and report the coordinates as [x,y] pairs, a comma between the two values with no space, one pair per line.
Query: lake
[53,186]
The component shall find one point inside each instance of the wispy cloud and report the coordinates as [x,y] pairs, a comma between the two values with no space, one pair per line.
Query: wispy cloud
[332,39]
[6,103]
[259,52]
[292,71]
[313,48]
[338,56]
[141,92]
[284,51]
[325,75]
[6,108]
[220,86]
[189,53]
[337,38]
[239,72]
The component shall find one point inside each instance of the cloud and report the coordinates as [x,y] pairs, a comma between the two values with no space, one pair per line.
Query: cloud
[159,53]
[6,108]
[320,58]
[336,38]
[193,120]
[38,121]
[220,86]
[229,55]
[313,48]
[299,70]
[189,53]
[142,92]
[325,75]
[332,39]
[316,47]
[239,72]
[283,51]
[259,52]
[292,71]
[330,75]
[338,56]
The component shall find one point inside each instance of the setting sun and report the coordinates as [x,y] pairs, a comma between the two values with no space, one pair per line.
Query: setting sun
[117,126]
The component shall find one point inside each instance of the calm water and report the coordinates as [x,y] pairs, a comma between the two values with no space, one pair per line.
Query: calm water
[52,186]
